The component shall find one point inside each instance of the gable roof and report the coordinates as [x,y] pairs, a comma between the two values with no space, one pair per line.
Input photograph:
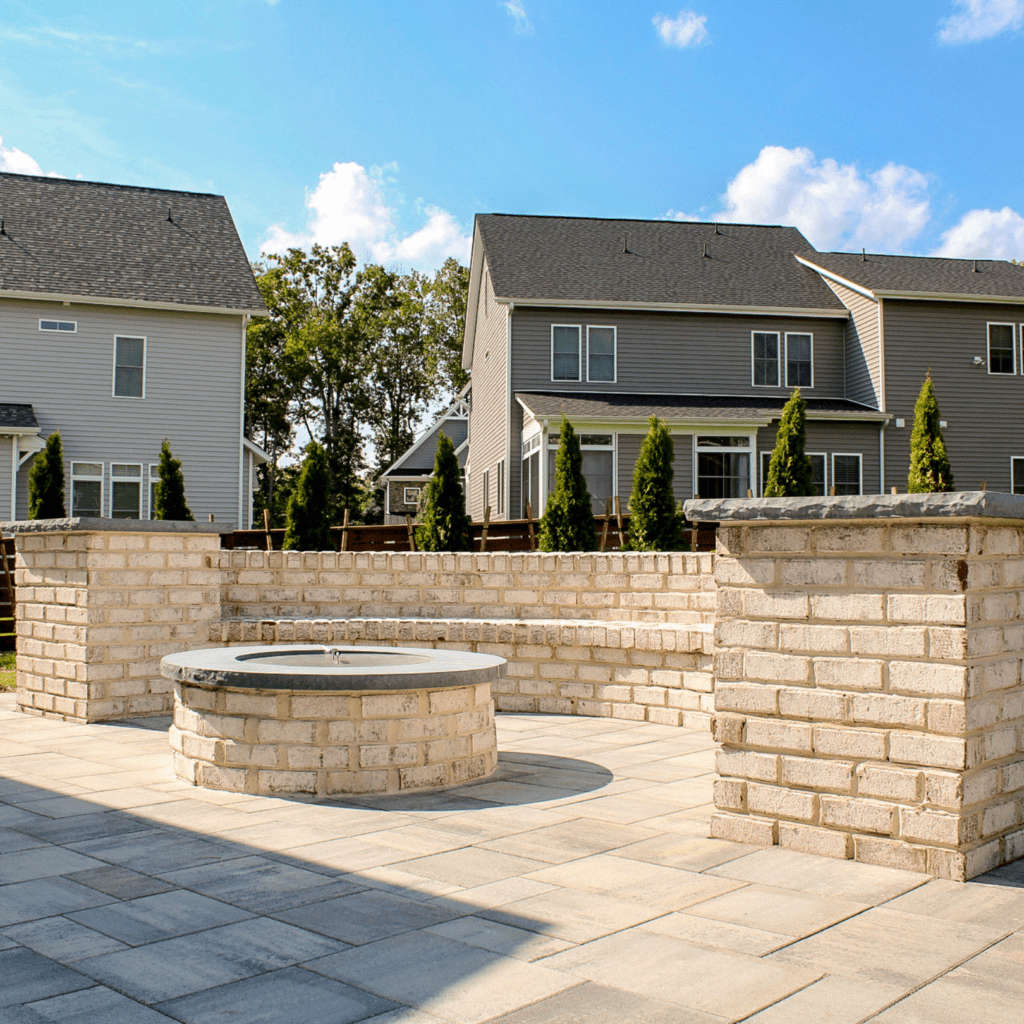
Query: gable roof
[92,242]
[657,263]
[922,276]
[418,460]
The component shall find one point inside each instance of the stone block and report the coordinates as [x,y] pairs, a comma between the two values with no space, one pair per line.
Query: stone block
[919,748]
[819,705]
[927,678]
[889,853]
[848,673]
[859,744]
[743,828]
[746,764]
[820,774]
[857,814]
[769,734]
[900,784]
[781,802]
[822,842]
[747,698]
[730,795]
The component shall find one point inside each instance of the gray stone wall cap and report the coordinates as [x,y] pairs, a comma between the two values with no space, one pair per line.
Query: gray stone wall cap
[957,504]
[240,667]
[92,524]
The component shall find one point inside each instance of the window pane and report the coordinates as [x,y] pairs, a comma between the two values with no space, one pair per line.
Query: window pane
[152,497]
[846,474]
[1000,348]
[818,465]
[597,468]
[85,498]
[595,440]
[723,442]
[128,470]
[723,474]
[601,353]
[129,351]
[565,343]
[125,497]
[766,360]
[766,461]
[798,360]
[128,382]
[87,468]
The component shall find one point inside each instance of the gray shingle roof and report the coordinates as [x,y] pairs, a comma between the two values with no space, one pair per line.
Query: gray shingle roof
[582,259]
[674,407]
[99,241]
[420,457]
[936,275]
[12,415]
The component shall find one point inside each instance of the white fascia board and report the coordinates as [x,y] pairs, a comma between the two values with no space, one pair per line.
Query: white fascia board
[851,417]
[643,424]
[1016,300]
[92,300]
[18,431]
[678,307]
[845,282]
[258,453]
[476,273]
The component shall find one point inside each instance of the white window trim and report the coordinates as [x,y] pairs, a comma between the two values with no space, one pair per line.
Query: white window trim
[778,360]
[500,486]
[768,454]
[145,361]
[80,476]
[153,478]
[800,334]
[988,346]
[860,463]
[1013,459]
[615,352]
[140,480]
[751,449]
[406,500]
[53,319]
[579,354]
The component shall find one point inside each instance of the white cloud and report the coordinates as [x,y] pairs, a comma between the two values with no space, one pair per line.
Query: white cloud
[686,29]
[985,234]
[517,9]
[14,161]
[834,205]
[981,19]
[349,205]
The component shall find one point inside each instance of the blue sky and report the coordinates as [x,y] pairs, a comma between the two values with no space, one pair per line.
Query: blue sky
[890,125]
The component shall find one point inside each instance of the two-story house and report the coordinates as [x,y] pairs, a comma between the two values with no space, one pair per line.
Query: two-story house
[123,314]
[710,327]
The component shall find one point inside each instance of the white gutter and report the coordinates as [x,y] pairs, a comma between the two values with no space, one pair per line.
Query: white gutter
[508,412]
[14,481]
[241,430]
[678,307]
[91,300]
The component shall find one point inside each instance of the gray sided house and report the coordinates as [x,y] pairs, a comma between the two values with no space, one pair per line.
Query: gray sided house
[404,480]
[122,322]
[710,327]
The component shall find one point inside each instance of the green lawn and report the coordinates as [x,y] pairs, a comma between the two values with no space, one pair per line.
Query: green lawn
[7,670]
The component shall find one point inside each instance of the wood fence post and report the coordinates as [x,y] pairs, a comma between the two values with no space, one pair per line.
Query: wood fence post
[529,527]
[607,521]
[487,526]
[344,531]
[618,519]
[409,530]
[266,528]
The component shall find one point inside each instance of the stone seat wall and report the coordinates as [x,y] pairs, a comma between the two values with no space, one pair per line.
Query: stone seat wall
[638,671]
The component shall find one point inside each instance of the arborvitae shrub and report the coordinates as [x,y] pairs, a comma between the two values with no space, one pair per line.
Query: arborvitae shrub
[790,473]
[654,523]
[169,497]
[929,466]
[46,481]
[568,520]
[307,524]
[445,521]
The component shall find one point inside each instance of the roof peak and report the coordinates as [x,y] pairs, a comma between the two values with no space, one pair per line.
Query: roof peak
[641,220]
[54,179]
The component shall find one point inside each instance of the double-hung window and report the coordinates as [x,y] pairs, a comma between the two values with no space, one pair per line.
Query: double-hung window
[1001,349]
[601,354]
[125,490]
[765,356]
[799,361]
[723,466]
[129,367]
[87,489]
[846,474]
[565,352]
[530,478]
[598,451]
[1017,475]
[818,461]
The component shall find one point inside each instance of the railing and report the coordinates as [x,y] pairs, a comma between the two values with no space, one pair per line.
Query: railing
[7,603]
[501,535]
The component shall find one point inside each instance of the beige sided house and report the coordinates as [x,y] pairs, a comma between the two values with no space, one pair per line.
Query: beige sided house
[710,327]
[122,321]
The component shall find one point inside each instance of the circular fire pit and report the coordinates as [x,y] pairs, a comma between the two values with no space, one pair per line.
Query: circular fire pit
[331,720]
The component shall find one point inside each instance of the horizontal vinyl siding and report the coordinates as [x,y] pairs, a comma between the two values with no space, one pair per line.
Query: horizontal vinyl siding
[831,438]
[489,411]
[193,393]
[6,443]
[628,448]
[984,412]
[863,355]
[674,353]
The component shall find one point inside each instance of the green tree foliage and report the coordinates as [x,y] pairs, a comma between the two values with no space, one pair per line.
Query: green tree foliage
[170,488]
[654,523]
[445,323]
[929,465]
[790,473]
[46,481]
[568,520]
[307,527]
[445,522]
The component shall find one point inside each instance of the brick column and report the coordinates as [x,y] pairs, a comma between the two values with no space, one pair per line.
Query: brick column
[868,677]
[100,602]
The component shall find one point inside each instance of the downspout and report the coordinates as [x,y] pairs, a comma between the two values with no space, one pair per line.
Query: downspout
[881,355]
[508,414]
[881,458]
[14,478]
[241,427]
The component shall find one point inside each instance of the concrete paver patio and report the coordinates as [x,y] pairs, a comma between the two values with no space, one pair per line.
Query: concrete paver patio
[577,886]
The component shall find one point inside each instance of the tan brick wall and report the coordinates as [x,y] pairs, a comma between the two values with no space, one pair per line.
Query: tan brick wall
[274,742]
[644,672]
[868,691]
[98,610]
[615,587]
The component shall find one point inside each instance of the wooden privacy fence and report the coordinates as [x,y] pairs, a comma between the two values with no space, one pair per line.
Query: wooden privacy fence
[501,535]
[6,593]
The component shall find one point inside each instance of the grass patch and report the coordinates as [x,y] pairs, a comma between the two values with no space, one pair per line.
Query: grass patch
[6,670]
